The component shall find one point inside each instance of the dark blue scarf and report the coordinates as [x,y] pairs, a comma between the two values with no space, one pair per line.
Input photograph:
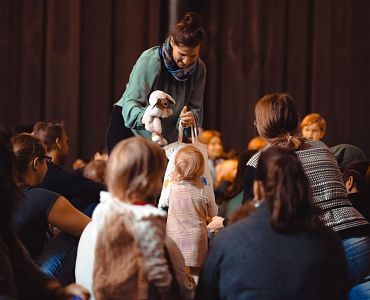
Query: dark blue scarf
[180,74]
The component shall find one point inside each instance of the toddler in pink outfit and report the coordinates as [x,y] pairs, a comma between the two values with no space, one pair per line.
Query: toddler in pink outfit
[189,208]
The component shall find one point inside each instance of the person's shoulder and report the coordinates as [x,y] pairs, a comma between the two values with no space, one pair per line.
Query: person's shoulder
[41,192]
[201,69]
[237,234]
[150,58]
[201,65]
[311,144]
[253,161]
[311,148]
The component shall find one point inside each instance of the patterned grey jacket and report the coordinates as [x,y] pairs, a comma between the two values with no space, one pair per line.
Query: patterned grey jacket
[328,190]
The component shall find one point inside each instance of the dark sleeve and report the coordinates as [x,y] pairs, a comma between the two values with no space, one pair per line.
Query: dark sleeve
[31,218]
[249,174]
[71,185]
[42,201]
[208,284]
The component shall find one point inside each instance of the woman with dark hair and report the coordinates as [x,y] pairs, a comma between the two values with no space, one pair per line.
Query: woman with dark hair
[19,276]
[277,121]
[282,250]
[40,207]
[176,69]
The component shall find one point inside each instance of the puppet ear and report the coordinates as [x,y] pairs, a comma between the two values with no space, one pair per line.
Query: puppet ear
[170,98]
[154,96]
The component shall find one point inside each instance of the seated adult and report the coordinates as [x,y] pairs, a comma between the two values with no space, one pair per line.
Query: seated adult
[277,121]
[40,207]
[75,187]
[356,176]
[346,153]
[282,250]
[19,276]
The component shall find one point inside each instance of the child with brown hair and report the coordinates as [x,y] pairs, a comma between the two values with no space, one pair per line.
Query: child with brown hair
[189,208]
[124,251]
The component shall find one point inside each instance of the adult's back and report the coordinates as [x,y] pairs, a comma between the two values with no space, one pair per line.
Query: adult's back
[280,249]
[249,260]
[326,183]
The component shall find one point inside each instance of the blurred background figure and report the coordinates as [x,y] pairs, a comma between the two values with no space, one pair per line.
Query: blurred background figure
[80,191]
[255,144]
[356,176]
[95,170]
[313,127]
[346,153]
[215,148]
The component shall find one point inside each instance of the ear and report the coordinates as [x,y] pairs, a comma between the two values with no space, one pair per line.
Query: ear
[58,142]
[35,163]
[170,99]
[258,190]
[349,184]
[172,42]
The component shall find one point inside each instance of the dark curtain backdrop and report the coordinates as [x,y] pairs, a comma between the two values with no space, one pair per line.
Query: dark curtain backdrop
[70,60]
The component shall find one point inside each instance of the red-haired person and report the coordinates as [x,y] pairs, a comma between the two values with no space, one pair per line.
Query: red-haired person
[313,127]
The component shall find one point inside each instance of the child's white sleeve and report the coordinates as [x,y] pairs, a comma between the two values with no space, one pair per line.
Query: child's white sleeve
[163,202]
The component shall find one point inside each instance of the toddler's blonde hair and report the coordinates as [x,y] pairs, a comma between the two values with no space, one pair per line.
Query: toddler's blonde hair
[189,165]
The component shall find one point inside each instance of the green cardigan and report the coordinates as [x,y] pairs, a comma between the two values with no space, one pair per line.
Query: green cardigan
[148,75]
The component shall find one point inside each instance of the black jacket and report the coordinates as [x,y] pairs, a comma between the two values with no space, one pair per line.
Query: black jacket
[79,190]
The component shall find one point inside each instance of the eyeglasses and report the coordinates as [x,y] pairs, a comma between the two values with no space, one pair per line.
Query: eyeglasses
[47,158]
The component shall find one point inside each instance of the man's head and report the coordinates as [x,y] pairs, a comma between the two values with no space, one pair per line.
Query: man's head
[55,138]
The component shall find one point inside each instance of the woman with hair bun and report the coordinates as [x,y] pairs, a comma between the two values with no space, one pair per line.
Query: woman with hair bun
[174,68]
[277,121]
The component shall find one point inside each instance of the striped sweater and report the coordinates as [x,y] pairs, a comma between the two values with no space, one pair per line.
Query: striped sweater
[328,190]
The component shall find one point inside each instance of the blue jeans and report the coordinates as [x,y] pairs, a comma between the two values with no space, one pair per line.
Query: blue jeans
[357,251]
[58,258]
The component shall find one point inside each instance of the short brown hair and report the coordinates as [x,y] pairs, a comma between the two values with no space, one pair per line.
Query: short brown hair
[133,169]
[189,31]
[189,164]
[314,118]
[48,132]
[277,119]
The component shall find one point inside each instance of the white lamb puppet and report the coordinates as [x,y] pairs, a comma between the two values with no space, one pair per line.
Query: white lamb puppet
[157,109]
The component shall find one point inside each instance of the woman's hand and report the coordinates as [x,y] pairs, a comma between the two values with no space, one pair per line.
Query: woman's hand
[74,291]
[186,117]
